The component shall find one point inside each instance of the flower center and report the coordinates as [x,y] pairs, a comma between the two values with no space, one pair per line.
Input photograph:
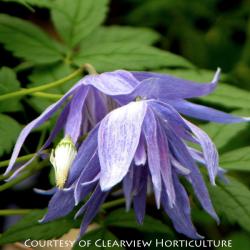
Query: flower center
[138,98]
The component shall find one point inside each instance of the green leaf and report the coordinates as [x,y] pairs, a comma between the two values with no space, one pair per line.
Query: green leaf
[229,96]
[9,130]
[27,41]
[75,21]
[233,201]
[221,134]
[239,240]
[120,34]
[8,83]
[29,228]
[121,218]
[130,56]
[238,159]
[94,237]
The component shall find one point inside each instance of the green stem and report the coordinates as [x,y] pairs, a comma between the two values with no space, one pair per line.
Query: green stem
[15,181]
[41,140]
[7,212]
[23,176]
[19,159]
[114,203]
[54,84]
[90,69]
[53,97]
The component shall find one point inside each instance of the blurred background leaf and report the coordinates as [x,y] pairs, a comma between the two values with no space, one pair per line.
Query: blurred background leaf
[29,228]
[75,21]
[9,130]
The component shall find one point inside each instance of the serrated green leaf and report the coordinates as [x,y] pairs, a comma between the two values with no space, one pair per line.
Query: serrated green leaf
[130,56]
[75,21]
[121,218]
[29,228]
[8,83]
[120,34]
[233,201]
[238,159]
[27,41]
[95,236]
[9,130]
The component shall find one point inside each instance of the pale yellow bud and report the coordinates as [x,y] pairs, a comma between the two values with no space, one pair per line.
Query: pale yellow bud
[62,158]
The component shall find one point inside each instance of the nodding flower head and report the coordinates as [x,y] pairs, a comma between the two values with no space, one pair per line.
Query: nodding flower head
[62,158]
[143,141]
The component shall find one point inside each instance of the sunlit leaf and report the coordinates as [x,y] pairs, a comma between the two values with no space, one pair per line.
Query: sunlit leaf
[238,159]
[222,134]
[111,34]
[233,201]
[75,21]
[130,56]
[229,96]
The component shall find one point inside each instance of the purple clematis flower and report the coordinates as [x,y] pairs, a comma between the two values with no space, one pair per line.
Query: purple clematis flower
[144,141]
[83,107]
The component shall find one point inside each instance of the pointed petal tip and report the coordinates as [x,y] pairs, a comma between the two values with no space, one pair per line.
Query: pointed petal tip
[43,220]
[172,203]
[76,216]
[158,205]
[109,180]
[217,221]
[45,192]
[127,208]
[247,119]
[200,237]
[212,178]
[7,171]
[217,75]
[140,221]
[9,178]
[105,186]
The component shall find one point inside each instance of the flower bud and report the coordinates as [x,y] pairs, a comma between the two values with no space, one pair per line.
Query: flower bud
[62,158]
